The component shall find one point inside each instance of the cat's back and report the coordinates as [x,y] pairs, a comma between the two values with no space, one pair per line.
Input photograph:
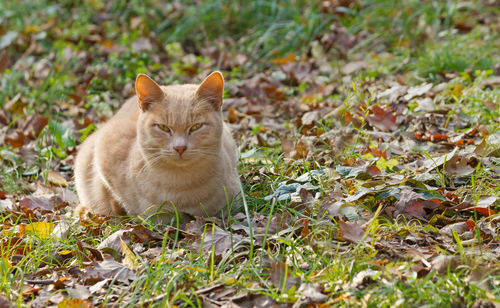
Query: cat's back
[111,142]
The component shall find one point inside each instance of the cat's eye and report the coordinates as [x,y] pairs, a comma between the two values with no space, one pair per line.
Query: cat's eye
[195,127]
[164,128]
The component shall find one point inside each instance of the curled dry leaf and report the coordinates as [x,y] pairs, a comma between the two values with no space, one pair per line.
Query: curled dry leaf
[217,240]
[459,228]
[383,119]
[129,258]
[55,178]
[108,268]
[309,296]
[413,205]
[459,165]
[353,231]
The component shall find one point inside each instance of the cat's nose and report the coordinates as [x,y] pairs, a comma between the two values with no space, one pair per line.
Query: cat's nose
[180,149]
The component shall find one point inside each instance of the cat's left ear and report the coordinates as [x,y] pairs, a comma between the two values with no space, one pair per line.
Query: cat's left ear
[212,89]
[148,91]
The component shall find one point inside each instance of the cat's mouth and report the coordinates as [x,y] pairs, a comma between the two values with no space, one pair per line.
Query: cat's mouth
[184,159]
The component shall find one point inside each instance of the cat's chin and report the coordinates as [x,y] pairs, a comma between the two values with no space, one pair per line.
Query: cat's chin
[181,161]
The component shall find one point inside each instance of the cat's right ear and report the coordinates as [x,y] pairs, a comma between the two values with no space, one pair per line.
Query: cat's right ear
[147,91]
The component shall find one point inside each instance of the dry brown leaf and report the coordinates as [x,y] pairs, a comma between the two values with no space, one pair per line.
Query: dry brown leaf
[32,203]
[352,67]
[353,231]
[217,240]
[55,178]
[281,276]
[4,60]
[413,205]
[108,268]
[383,119]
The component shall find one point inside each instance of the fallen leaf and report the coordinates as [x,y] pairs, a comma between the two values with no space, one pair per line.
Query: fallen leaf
[129,258]
[486,201]
[4,303]
[281,276]
[217,239]
[459,228]
[383,119]
[4,60]
[310,295]
[481,210]
[108,268]
[252,300]
[113,241]
[34,125]
[373,171]
[413,205]
[56,179]
[364,278]
[32,203]
[458,165]
[289,58]
[40,229]
[383,164]
[194,226]
[444,263]
[353,231]
[75,303]
[78,291]
[393,93]
[352,67]
[305,228]
[418,91]
[15,138]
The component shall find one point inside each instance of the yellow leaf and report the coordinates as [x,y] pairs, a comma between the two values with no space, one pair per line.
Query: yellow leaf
[40,229]
[383,164]
[75,303]
[56,179]
[130,259]
[280,61]
[457,90]
[65,252]
[31,28]
[368,155]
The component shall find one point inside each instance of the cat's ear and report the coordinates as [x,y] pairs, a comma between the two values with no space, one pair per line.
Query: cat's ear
[212,89]
[147,91]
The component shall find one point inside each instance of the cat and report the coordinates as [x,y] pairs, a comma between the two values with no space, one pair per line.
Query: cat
[167,148]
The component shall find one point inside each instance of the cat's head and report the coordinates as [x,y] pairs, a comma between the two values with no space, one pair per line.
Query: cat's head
[180,125]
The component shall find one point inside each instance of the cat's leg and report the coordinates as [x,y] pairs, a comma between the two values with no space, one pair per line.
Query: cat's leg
[93,194]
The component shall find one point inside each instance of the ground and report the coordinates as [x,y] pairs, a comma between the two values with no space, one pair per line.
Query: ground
[369,153]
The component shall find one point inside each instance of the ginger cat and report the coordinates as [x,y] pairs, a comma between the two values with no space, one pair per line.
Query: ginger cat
[168,145]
